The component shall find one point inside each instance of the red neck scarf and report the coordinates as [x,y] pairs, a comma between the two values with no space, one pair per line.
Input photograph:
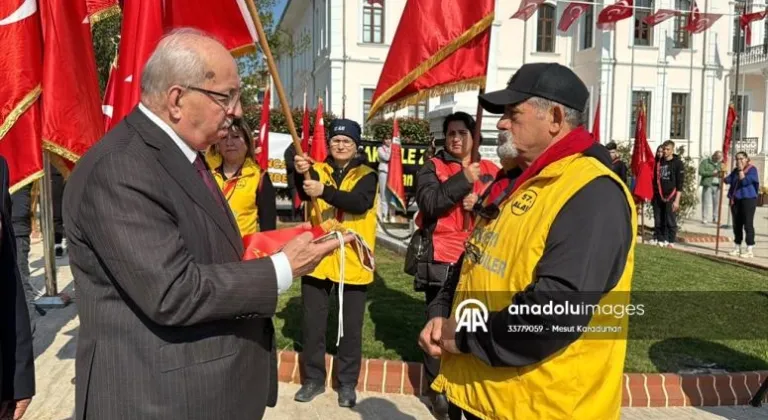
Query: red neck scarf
[577,141]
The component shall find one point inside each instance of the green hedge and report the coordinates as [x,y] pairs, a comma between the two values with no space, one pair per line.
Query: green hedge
[412,130]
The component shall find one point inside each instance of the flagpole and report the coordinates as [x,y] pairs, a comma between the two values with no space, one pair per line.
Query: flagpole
[281,94]
[690,93]
[664,84]
[52,298]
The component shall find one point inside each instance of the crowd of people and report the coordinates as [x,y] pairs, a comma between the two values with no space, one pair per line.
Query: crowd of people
[175,325]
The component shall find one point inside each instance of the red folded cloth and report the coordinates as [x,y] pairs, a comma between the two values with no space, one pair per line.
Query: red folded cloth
[264,244]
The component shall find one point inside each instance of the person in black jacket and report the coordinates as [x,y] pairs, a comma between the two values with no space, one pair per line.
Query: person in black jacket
[17,369]
[618,165]
[668,178]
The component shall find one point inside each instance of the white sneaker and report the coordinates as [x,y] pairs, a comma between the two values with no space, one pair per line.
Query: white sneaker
[664,244]
[653,242]
[736,252]
[748,254]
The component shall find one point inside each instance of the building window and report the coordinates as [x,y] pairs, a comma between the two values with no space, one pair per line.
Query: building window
[682,36]
[367,103]
[419,110]
[679,117]
[587,27]
[742,109]
[373,21]
[643,31]
[545,29]
[639,98]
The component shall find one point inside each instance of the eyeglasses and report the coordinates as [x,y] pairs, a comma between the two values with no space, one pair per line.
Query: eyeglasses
[224,100]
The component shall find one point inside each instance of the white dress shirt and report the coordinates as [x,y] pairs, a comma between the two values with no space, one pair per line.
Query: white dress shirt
[283,270]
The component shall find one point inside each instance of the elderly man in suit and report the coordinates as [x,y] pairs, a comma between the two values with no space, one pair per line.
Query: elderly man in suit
[17,364]
[173,325]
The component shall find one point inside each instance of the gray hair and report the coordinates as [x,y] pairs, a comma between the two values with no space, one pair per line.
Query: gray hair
[573,117]
[176,61]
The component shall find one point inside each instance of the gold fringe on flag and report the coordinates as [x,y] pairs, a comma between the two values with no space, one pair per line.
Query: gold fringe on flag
[425,66]
[104,14]
[19,109]
[26,181]
[462,86]
[243,50]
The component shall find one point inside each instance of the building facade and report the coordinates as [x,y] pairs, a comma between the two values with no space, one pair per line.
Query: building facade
[684,80]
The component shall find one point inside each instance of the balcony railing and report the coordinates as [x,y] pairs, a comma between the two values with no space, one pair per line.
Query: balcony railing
[755,54]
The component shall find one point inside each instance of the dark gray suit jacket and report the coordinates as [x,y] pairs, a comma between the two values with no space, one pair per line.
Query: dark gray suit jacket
[172,324]
[17,364]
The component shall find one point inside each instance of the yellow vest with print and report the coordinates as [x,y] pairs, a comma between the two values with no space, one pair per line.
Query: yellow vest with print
[582,381]
[240,192]
[364,224]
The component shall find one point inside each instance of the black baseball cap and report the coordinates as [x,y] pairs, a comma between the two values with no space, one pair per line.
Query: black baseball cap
[545,80]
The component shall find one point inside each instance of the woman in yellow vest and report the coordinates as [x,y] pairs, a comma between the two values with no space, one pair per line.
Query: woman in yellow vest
[246,187]
[535,324]
[345,189]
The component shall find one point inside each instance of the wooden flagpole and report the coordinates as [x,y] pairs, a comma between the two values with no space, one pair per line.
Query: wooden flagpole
[281,94]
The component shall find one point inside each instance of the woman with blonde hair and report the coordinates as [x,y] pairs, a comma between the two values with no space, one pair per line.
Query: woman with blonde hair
[246,187]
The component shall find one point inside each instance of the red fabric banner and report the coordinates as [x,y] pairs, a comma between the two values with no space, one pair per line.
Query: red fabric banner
[395,187]
[100,9]
[731,119]
[229,21]
[304,146]
[660,16]
[263,158]
[745,24]
[439,47]
[71,101]
[263,244]
[642,160]
[527,9]
[596,123]
[614,13]
[571,13]
[21,69]
[703,22]
[318,151]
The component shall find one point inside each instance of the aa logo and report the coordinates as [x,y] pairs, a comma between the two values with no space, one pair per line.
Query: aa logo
[471,314]
[523,203]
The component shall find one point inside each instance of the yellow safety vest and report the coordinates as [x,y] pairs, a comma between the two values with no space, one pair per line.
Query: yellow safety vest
[582,381]
[240,192]
[364,224]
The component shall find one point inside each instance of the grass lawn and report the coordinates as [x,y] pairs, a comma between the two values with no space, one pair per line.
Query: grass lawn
[698,313]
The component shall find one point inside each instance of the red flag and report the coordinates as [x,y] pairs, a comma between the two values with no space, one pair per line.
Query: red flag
[570,14]
[304,145]
[660,16]
[230,22]
[317,151]
[108,105]
[395,187]
[745,21]
[642,160]
[729,131]
[264,244]
[101,9]
[596,123]
[263,158]
[21,69]
[614,13]
[704,22]
[693,17]
[438,47]
[141,30]
[71,101]
[527,9]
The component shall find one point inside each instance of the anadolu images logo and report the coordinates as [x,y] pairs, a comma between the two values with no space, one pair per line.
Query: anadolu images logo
[471,314]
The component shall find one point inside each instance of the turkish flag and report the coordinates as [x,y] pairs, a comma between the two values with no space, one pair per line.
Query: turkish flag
[71,100]
[596,123]
[395,187]
[304,145]
[642,160]
[614,13]
[263,158]
[229,21]
[703,22]
[570,14]
[527,9]
[660,16]
[108,105]
[729,131]
[438,46]
[745,21]
[21,65]
[101,9]
[317,151]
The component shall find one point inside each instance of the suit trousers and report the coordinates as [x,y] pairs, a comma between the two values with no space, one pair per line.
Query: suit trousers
[22,260]
[744,220]
[431,364]
[665,221]
[314,295]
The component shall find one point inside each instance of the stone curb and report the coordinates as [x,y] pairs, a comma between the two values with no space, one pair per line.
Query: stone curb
[640,389]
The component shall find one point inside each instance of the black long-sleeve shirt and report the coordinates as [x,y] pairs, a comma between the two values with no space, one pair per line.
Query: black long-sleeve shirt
[357,201]
[586,251]
[670,174]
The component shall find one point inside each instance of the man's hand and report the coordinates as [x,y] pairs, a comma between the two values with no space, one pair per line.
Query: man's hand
[14,410]
[469,201]
[429,339]
[448,337]
[304,255]
[676,206]
[302,163]
[472,172]
[313,188]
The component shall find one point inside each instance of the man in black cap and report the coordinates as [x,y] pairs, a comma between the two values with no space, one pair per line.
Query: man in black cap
[618,165]
[346,190]
[556,233]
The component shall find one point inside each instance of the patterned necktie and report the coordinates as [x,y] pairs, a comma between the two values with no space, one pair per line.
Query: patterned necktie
[202,170]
